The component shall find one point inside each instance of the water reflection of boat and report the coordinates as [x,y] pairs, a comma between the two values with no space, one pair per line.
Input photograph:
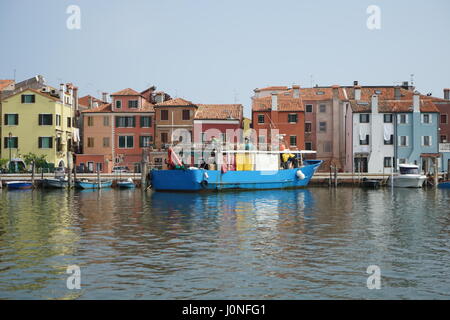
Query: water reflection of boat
[409,177]
[261,170]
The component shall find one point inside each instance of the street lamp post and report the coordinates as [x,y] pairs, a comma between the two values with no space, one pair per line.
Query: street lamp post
[9,146]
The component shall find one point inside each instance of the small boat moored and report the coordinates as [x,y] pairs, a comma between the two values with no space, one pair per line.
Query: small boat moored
[128,183]
[370,183]
[86,184]
[409,177]
[444,185]
[59,183]
[19,185]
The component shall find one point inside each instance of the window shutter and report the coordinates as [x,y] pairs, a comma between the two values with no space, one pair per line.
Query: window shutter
[22,99]
[16,116]
[407,140]
[117,122]
[51,143]
[133,121]
[40,142]
[6,119]
[40,119]
[430,141]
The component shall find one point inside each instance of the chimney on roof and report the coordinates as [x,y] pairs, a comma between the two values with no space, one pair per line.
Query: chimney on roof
[447,94]
[374,103]
[296,90]
[397,93]
[61,92]
[405,85]
[159,97]
[357,92]
[274,101]
[105,97]
[355,83]
[416,101]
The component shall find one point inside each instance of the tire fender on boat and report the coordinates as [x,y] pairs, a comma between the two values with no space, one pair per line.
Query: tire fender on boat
[204,184]
[300,174]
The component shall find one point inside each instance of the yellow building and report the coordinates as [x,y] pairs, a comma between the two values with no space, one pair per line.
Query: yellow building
[246,124]
[39,121]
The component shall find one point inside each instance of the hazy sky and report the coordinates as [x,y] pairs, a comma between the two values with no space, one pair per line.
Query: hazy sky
[210,51]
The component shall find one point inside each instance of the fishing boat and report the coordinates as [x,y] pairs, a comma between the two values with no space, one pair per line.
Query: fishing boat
[128,183]
[249,169]
[409,177]
[86,184]
[18,185]
[444,185]
[59,183]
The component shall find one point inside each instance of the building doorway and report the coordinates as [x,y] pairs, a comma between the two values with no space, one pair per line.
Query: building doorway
[361,164]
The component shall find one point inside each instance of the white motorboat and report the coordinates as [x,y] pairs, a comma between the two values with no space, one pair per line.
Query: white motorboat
[409,177]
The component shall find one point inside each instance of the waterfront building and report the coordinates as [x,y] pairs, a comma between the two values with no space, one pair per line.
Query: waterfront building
[40,121]
[277,110]
[381,134]
[221,121]
[117,133]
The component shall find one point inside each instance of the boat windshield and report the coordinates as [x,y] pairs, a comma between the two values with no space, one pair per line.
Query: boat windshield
[409,171]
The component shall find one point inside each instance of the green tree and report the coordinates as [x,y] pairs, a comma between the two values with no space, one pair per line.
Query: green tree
[3,163]
[39,161]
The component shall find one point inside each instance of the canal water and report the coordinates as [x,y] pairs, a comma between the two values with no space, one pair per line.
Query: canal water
[314,243]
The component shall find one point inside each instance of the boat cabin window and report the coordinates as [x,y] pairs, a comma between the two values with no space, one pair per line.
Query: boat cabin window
[409,170]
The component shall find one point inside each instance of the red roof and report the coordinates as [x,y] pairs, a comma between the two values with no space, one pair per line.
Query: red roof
[385,106]
[285,103]
[5,83]
[178,102]
[84,101]
[126,92]
[219,112]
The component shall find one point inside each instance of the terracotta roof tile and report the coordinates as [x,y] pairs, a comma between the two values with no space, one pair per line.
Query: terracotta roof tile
[102,108]
[5,83]
[126,92]
[178,102]
[219,112]
[285,103]
[394,106]
[84,101]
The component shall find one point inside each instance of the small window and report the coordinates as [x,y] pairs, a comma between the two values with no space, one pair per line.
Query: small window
[293,141]
[146,122]
[364,118]
[320,93]
[323,108]
[45,142]
[106,142]
[28,98]
[260,118]
[106,121]
[145,141]
[322,126]
[164,114]
[426,118]
[164,137]
[45,119]
[308,145]
[364,142]
[443,138]
[387,118]
[403,118]
[403,141]
[292,118]
[90,142]
[402,161]
[118,104]
[186,115]
[11,119]
[125,122]
[69,122]
[390,141]
[126,142]
[426,141]
[387,162]
[444,118]
[309,108]
[11,142]
[132,104]
[308,127]
[90,121]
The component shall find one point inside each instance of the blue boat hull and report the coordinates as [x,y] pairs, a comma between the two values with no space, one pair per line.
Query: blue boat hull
[444,185]
[19,185]
[92,185]
[198,180]
[127,185]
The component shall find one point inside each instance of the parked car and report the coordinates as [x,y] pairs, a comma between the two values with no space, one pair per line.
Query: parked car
[120,169]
